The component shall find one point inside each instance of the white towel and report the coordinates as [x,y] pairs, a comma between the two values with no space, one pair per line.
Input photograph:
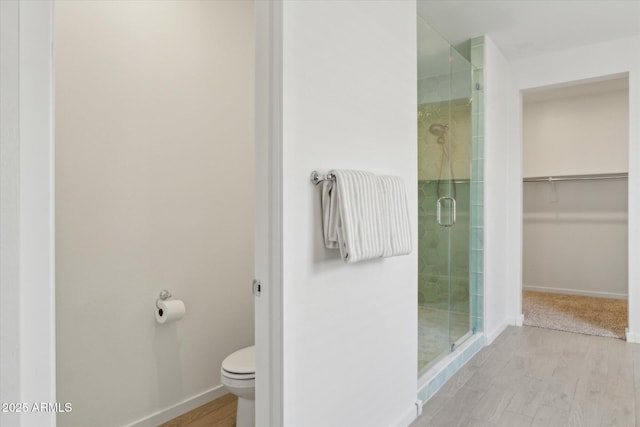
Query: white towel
[396,222]
[330,215]
[351,210]
[365,215]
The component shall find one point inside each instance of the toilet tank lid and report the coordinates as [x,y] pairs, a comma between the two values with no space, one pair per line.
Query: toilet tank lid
[242,361]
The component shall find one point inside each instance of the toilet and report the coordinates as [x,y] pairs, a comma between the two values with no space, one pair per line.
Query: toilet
[238,374]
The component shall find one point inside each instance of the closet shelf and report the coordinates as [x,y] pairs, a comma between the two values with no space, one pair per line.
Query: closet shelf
[576,177]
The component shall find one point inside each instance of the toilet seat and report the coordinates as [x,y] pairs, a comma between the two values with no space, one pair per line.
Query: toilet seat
[234,376]
[240,365]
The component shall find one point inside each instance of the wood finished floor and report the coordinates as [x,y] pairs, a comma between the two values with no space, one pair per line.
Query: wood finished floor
[218,413]
[539,377]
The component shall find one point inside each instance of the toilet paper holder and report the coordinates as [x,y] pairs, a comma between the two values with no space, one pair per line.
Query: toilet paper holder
[164,295]
[168,310]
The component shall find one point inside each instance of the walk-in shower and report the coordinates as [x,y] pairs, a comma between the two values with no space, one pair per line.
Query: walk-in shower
[446,191]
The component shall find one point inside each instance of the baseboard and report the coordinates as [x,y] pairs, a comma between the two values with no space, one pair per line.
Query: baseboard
[632,337]
[178,409]
[490,336]
[581,292]
[408,417]
[519,320]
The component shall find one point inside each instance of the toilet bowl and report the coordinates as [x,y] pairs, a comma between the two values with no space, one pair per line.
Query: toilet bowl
[238,374]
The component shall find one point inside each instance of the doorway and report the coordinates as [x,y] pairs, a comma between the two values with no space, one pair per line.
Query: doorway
[154,190]
[575,198]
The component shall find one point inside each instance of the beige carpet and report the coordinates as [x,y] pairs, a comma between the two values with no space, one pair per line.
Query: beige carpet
[605,317]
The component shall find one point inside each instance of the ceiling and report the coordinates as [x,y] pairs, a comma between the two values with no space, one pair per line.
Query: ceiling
[524,28]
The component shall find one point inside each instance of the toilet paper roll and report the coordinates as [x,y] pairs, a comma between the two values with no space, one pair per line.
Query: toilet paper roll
[170,310]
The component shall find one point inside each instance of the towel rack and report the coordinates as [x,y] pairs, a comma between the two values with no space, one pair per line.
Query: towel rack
[316,178]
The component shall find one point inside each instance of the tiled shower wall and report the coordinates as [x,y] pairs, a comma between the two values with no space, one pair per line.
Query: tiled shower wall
[476,253]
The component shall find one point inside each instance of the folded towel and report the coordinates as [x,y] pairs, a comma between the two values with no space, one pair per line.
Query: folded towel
[330,216]
[365,215]
[352,202]
[396,217]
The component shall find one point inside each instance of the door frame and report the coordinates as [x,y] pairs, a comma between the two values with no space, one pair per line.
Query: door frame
[268,213]
[629,337]
[27,244]
[633,197]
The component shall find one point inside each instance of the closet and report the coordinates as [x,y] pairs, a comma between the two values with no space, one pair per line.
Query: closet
[575,160]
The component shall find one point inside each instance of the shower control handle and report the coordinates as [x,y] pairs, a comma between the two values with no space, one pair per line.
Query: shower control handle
[439,211]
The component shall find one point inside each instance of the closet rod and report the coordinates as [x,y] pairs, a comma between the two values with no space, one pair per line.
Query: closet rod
[576,177]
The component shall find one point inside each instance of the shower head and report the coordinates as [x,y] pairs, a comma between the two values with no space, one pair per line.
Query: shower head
[437,129]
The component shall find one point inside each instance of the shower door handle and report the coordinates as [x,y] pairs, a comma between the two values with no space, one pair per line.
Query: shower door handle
[439,211]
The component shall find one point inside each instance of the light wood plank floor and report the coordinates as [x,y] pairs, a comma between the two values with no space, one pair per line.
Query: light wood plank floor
[539,377]
[218,413]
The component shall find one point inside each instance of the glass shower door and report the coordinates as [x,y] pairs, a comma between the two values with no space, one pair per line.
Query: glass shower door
[444,141]
[460,164]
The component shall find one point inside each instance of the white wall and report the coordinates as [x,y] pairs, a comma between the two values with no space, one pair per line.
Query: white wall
[154,135]
[575,237]
[497,81]
[27,312]
[575,232]
[350,331]
[581,64]
[36,209]
[10,208]
[576,135]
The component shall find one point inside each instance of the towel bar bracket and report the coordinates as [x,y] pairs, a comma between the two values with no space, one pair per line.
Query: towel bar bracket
[316,178]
